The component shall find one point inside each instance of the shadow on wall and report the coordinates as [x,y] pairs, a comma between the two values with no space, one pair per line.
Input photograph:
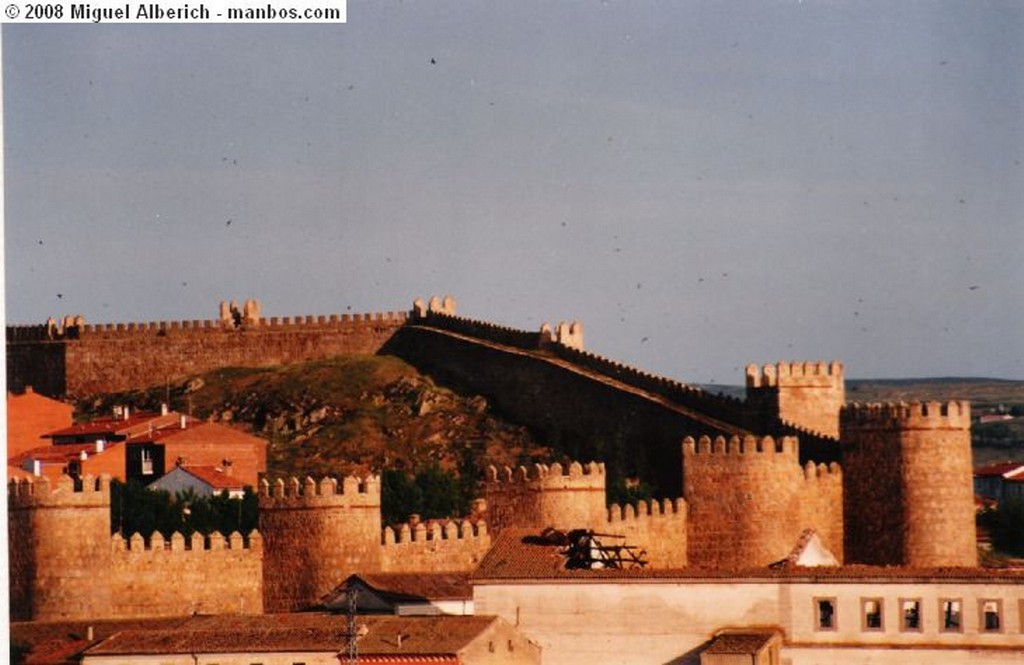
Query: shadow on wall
[691,657]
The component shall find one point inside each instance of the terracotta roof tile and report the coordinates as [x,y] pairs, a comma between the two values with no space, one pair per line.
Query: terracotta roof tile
[740,643]
[415,586]
[519,555]
[430,636]
[215,477]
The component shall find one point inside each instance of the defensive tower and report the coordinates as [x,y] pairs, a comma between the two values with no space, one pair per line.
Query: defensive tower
[750,500]
[808,395]
[59,548]
[314,535]
[908,496]
[547,496]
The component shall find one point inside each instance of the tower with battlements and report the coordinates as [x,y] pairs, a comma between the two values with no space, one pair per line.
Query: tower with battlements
[908,492]
[315,534]
[750,500]
[808,394]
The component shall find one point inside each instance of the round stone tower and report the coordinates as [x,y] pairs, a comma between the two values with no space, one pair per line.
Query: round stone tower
[908,494]
[547,496]
[315,535]
[59,548]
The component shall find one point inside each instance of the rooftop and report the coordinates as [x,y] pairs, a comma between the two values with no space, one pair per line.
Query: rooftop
[413,586]
[520,555]
[384,635]
[214,476]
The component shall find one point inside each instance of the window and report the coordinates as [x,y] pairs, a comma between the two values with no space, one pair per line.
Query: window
[951,620]
[910,614]
[825,613]
[991,616]
[147,462]
[871,614]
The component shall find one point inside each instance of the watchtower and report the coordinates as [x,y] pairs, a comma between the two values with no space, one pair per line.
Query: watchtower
[750,500]
[547,496]
[808,395]
[59,548]
[315,535]
[908,495]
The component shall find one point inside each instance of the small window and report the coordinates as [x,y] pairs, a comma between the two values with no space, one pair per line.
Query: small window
[910,614]
[991,616]
[871,614]
[952,615]
[825,613]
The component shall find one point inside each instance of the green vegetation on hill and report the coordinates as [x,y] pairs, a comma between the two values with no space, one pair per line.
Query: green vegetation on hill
[355,415]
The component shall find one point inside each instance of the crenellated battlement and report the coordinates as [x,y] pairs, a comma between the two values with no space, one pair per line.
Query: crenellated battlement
[89,491]
[328,492]
[483,330]
[903,415]
[785,449]
[543,476]
[434,531]
[823,472]
[644,510]
[795,373]
[197,543]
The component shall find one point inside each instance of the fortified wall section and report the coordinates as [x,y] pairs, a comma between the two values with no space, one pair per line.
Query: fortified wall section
[546,497]
[574,498]
[455,546]
[808,395]
[908,492]
[750,500]
[86,359]
[315,535]
[580,415]
[800,391]
[178,576]
[64,564]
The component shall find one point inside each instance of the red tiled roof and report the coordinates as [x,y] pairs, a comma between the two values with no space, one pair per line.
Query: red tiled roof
[59,454]
[104,426]
[415,586]
[520,555]
[215,477]
[420,636]
[740,643]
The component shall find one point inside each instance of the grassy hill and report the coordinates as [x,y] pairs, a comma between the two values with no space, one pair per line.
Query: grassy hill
[347,415]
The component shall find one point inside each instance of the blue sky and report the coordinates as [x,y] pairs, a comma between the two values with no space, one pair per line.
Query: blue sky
[702,184]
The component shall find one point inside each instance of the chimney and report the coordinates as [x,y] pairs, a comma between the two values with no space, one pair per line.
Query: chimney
[89,634]
[37,467]
[399,640]
[83,455]
[163,409]
[127,411]
[118,412]
[100,443]
[181,421]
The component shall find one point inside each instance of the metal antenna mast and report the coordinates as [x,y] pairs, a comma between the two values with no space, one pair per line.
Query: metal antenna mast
[352,594]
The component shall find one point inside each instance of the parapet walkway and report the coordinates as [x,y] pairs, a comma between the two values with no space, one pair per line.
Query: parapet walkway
[593,375]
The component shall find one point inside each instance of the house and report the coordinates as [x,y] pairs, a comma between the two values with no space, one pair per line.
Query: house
[1000,481]
[822,614]
[143,446]
[205,481]
[404,594]
[320,639]
[30,416]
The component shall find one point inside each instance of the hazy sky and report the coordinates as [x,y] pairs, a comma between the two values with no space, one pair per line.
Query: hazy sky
[702,184]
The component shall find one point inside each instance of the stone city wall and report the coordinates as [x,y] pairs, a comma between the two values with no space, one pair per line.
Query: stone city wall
[750,500]
[455,546]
